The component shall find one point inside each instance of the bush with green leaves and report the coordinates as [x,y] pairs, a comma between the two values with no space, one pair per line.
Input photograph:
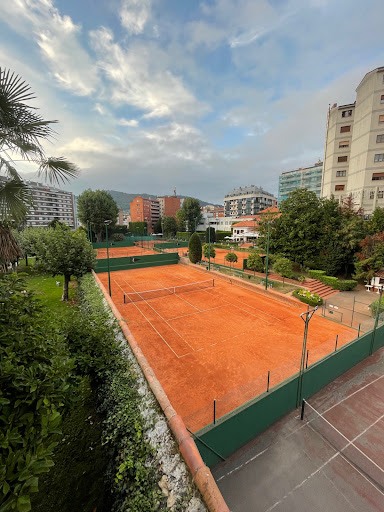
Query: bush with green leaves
[375,305]
[117,237]
[334,282]
[36,384]
[210,235]
[255,262]
[283,267]
[231,257]
[195,251]
[312,299]
[209,251]
[132,470]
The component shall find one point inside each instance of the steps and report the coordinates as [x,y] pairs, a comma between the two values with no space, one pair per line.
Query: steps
[321,289]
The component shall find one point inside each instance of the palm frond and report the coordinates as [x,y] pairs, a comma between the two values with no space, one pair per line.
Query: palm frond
[10,171]
[9,249]
[15,199]
[58,169]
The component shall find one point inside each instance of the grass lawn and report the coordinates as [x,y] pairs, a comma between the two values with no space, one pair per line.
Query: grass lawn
[44,286]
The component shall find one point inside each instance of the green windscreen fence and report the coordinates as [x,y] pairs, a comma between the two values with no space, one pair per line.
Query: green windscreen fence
[128,242]
[131,262]
[240,426]
[171,245]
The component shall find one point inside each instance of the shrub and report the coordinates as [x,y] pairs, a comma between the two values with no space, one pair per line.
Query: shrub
[36,387]
[209,250]
[312,299]
[334,282]
[373,307]
[283,267]
[231,257]
[255,262]
[316,274]
[220,235]
[117,237]
[194,248]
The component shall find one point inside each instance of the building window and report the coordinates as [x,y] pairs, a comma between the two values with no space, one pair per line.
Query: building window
[371,194]
[339,187]
[341,173]
[381,119]
[380,194]
[346,113]
[377,176]
[379,157]
[342,158]
[380,138]
[382,98]
[345,129]
[344,144]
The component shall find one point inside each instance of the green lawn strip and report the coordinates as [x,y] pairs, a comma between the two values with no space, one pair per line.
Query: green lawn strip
[45,288]
[76,482]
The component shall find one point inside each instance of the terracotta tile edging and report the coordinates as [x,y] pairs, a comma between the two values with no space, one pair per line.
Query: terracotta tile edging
[201,474]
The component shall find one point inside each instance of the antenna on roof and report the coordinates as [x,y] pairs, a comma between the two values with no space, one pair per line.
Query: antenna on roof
[174,191]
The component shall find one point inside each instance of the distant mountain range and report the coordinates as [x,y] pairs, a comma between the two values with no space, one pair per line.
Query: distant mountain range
[123,199]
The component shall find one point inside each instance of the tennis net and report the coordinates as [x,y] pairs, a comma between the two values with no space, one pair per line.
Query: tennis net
[346,448]
[163,292]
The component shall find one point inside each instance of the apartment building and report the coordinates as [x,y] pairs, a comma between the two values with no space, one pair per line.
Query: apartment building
[354,146]
[145,210]
[218,211]
[304,177]
[169,206]
[49,203]
[247,201]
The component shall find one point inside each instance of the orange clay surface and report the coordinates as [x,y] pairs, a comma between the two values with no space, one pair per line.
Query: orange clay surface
[120,252]
[217,343]
[220,257]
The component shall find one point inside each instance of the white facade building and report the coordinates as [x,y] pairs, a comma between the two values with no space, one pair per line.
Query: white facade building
[245,201]
[354,146]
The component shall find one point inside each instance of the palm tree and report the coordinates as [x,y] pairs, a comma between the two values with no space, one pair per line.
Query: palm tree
[22,131]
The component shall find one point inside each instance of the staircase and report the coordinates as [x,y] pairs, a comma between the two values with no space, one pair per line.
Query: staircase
[321,289]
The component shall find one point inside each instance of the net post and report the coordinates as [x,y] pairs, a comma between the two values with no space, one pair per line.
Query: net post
[124,298]
[269,374]
[214,411]
[337,339]
[302,409]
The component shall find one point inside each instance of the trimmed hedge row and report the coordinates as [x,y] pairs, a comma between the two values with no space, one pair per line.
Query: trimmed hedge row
[312,299]
[334,282]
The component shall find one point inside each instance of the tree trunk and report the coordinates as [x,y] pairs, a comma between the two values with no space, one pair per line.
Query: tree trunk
[65,288]
[26,260]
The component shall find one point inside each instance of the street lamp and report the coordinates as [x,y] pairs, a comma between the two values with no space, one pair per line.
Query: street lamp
[266,261]
[107,222]
[306,318]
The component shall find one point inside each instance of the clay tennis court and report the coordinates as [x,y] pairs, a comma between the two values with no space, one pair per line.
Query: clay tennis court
[120,252]
[220,258]
[215,342]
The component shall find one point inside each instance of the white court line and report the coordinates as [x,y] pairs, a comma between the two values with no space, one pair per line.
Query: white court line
[199,311]
[150,323]
[302,426]
[158,314]
[330,460]
[217,342]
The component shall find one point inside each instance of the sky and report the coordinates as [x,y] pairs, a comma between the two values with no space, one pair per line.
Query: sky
[204,96]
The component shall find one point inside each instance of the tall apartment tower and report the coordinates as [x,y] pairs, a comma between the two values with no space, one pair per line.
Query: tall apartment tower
[354,146]
[145,210]
[304,177]
[169,205]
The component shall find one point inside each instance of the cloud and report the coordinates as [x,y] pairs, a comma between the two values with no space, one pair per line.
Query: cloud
[134,14]
[58,39]
[139,76]
[128,122]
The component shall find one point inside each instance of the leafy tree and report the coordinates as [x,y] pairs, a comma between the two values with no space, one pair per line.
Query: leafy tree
[9,248]
[65,252]
[209,250]
[189,215]
[371,258]
[138,228]
[231,257]
[376,222]
[22,132]
[261,225]
[296,234]
[55,222]
[283,267]
[117,237]
[255,262]
[194,248]
[210,235]
[353,230]
[97,206]
[36,386]
[157,227]
[170,226]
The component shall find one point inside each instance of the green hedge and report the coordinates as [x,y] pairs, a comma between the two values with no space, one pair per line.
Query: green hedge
[334,282]
[220,235]
[373,307]
[312,299]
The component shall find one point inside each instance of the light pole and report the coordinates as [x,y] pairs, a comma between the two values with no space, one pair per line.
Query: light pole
[266,261]
[107,222]
[376,321]
[195,224]
[209,248]
[308,315]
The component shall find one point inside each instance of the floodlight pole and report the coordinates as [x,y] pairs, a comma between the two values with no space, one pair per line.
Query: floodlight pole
[376,321]
[308,315]
[266,261]
[107,222]
[195,225]
[209,248]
